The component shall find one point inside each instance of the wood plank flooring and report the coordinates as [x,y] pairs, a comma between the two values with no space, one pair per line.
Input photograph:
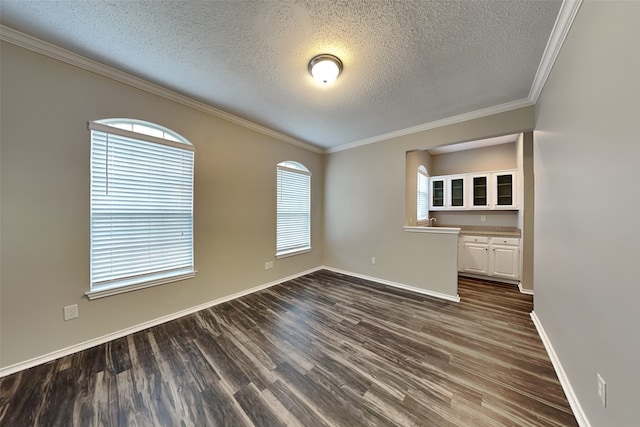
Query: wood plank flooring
[321,350]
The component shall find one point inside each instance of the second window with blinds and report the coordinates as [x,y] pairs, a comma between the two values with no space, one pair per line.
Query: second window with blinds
[293,230]
[423,194]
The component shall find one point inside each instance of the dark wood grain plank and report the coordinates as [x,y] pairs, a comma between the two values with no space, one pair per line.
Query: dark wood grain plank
[325,349]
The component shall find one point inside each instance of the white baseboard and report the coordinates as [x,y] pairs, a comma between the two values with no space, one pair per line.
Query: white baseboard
[447,297]
[17,367]
[11,369]
[581,418]
[523,290]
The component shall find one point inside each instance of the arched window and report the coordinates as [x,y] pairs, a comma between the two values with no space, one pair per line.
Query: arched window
[141,206]
[293,230]
[423,194]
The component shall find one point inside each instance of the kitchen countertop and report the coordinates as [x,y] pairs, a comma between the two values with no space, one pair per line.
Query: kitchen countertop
[479,230]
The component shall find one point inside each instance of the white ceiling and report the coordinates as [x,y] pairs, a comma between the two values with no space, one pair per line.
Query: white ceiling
[406,63]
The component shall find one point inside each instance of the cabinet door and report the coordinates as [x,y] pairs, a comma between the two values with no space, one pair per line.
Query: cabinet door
[505,186]
[476,258]
[505,262]
[457,199]
[479,191]
[437,194]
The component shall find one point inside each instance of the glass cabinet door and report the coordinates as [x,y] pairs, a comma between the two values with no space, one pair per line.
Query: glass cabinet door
[505,184]
[437,193]
[479,187]
[457,192]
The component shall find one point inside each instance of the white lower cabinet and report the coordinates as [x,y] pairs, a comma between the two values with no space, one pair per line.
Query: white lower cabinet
[496,257]
[476,255]
[505,258]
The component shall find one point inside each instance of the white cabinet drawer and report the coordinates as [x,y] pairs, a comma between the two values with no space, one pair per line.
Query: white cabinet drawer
[476,239]
[508,241]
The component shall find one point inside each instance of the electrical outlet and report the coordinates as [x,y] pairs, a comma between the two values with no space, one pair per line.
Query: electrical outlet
[602,391]
[373,260]
[268,265]
[483,218]
[71,312]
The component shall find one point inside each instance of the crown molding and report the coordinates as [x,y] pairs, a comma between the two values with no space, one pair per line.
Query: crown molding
[26,41]
[508,106]
[568,11]
[566,15]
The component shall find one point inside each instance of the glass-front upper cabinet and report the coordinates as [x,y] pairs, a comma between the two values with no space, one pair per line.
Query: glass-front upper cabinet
[505,185]
[457,196]
[492,190]
[479,191]
[437,193]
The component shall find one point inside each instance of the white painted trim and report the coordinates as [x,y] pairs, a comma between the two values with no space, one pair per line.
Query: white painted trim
[566,15]
[287,254]
[113,289]
[489,111]
[11,369]
[396,285]
[563,23]
[26,41]
[523,290]
[581,418]
[431,230]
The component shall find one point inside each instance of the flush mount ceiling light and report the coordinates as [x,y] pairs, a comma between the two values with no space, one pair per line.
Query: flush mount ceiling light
[325,68]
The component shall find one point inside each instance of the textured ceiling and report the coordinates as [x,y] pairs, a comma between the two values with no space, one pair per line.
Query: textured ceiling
[406,63]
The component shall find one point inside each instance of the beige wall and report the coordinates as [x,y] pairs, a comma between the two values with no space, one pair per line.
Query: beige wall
[45,152]
[586,150]
[474,218]
[365,207]
[495,157]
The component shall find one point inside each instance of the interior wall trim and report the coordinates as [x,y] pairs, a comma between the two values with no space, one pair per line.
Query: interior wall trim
[477,114]
[523,290]
[566,15]
[20,366]
[561,27]
[581,418]
[426,292]
[42,47]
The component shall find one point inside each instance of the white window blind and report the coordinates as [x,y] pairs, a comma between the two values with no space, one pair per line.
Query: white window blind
[141,209]
[423,194]
[293,231]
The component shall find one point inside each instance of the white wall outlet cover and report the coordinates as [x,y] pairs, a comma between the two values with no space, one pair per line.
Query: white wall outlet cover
[71,312]
[602,390]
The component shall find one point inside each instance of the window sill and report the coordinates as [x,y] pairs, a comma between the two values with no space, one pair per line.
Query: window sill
[133,285]
[286,254]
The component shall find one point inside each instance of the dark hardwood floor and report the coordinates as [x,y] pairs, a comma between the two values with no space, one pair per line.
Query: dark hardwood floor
[321,350]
